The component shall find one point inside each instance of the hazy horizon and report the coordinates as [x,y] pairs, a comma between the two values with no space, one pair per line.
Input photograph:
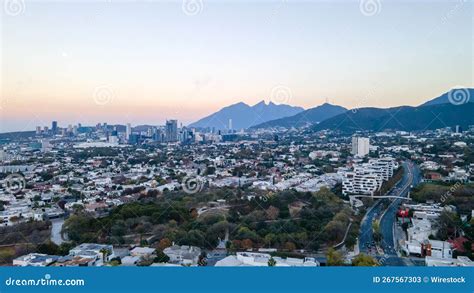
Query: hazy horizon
[144,62]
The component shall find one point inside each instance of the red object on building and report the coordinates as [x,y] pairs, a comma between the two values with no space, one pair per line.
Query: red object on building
[458,244]
[403,213]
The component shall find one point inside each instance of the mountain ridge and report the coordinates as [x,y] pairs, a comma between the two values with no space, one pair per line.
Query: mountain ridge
[244,116]
[310,116]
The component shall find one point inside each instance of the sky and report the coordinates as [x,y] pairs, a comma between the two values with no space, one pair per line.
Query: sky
[148,61]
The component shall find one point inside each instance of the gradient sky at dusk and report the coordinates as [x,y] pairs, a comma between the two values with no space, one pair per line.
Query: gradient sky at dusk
[157,62]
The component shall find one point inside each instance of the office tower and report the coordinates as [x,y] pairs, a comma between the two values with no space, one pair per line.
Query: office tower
[54,127]
[150,131]
[128,131]
[171,130]
[360,146]
[2,155]
[230,124]
[113,138]
[38,129]
[69,128]
[46,129]
[134,138]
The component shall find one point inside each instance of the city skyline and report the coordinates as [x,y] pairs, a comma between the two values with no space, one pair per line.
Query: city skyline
[92,63]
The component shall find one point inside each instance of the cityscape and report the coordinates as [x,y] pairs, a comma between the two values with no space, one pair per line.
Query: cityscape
[217,134]
[174,195]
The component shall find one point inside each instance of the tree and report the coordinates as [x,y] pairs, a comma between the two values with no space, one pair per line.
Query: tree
[202,261]
[290,246]
[160,257]
[105,252]
[48,248]
[334,258]
[272,213]
[271,262]
[448,225]
[363,260]
[247,244]
[164,243]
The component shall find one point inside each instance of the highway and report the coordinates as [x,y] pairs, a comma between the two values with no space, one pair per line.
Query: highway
[410,178]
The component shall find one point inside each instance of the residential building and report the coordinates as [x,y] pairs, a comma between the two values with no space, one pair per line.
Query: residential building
[183,255]
[35,260]
[94,251]
[360,146]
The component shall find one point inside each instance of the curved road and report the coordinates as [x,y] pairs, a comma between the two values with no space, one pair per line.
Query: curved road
[410,178]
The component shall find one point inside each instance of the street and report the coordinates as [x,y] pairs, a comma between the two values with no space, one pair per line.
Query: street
[411,177]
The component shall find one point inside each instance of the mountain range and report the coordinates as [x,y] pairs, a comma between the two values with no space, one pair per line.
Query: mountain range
[454,107]
[310,116]
[448,110]
[243,116]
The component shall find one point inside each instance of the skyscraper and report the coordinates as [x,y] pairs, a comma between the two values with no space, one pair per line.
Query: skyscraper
[360,146]
[128,131]
[54,127]
[171,130]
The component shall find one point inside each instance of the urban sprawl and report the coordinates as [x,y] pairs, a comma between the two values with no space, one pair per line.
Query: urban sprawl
[117,195]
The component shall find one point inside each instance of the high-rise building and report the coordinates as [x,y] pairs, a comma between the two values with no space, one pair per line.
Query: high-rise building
[38,129]
[360,146]
[171,130]
[54,127]
[113,137]
[128,131]
[230,124]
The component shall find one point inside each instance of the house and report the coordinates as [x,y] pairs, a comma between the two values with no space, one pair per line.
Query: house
[142,251]
[130,260]
[94,251]
[74,261]
[184,255]
[35,260]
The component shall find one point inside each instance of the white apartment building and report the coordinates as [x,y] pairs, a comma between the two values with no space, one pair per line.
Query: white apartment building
[366,179]
[383,167]
[361,181]
[360,146]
